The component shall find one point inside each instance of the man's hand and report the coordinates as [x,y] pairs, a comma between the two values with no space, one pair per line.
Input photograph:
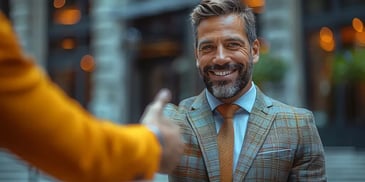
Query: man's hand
[171,142]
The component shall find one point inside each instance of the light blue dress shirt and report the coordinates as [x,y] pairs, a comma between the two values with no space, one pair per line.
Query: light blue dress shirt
[240,119]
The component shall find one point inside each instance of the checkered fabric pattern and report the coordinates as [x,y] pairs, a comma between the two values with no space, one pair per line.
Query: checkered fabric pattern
[281,143]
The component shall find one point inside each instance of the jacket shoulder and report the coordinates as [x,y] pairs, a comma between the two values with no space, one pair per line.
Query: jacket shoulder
[273,106]
[172,110]
[296,115]
[283,107]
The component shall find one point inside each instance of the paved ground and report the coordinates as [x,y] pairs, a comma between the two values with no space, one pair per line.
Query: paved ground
[344,164]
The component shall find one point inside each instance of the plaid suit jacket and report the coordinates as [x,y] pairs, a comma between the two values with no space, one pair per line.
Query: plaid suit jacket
[281,143]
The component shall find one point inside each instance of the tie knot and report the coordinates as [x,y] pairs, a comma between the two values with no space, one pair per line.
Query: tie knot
[227,110]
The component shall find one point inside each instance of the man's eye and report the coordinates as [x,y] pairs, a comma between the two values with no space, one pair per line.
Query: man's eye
[206,48]
[233,45]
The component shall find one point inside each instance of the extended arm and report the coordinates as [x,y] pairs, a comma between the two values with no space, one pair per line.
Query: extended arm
[43,126]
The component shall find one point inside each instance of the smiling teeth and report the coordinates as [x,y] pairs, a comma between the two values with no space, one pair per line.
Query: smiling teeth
[222,73]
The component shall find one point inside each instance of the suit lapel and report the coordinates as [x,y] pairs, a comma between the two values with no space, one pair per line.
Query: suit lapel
[258,126]
[201,119]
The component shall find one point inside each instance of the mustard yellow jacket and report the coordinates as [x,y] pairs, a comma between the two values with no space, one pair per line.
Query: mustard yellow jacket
[42,125]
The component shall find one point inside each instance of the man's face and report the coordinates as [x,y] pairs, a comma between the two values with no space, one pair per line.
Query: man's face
[224,57]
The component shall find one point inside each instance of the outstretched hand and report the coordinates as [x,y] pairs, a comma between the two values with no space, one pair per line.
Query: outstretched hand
[153,112]
[172,145]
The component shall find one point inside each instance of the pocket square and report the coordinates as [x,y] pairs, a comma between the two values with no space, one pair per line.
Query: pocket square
[273,151]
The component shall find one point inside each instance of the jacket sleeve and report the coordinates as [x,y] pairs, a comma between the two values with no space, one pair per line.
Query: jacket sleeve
[309,163]
[42,125]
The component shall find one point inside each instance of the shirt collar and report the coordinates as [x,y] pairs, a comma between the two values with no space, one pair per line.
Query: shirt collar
[246,101]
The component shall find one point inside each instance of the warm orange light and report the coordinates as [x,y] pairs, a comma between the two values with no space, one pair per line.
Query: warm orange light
[327,46]
[68,43]
[59,3]
[326,40]
[357,25]
[347,34]
[67,16]
[360,38]
[254,3]
[326,34]
[87,63]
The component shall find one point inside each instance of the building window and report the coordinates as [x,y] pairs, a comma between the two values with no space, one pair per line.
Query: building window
[352,3]
[70,63]
[312,7]
[335,69]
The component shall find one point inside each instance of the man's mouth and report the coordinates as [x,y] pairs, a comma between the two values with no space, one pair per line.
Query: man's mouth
[221,73]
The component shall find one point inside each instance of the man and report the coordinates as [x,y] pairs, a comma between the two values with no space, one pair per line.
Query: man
[271,140]
[42,125]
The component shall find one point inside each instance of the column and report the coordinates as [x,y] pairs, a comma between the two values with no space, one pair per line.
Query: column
[30,23]
[281,27]
[110,79]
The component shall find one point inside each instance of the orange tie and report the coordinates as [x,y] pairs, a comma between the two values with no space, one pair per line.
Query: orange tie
[225,141]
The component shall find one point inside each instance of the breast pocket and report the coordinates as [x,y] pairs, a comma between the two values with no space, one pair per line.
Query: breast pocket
[273,163]
[275,154]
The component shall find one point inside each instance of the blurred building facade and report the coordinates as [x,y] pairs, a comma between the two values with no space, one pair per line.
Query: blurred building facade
[114,55]
[334,56]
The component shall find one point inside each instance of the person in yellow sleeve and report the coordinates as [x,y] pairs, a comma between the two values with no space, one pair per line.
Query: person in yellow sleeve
[43,126]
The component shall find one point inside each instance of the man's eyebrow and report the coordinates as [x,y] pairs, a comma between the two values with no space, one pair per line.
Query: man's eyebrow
[204,42]
[228,38]
[233,38]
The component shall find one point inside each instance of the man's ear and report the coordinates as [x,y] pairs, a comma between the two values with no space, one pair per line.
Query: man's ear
[255,51]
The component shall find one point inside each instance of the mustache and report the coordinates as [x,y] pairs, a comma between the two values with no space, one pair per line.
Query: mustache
[227,66]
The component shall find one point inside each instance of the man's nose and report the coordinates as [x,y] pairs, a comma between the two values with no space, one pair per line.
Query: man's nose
[221,52]
[221,55]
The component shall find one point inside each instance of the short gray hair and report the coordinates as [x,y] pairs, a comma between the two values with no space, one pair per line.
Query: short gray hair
[211,8]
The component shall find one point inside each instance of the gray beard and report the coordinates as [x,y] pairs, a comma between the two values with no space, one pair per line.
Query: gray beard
[225,91]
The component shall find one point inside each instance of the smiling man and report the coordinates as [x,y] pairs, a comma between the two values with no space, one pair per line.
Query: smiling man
[225,57]
[233,132]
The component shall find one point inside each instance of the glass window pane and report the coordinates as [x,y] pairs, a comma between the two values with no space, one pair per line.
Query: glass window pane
[316,6]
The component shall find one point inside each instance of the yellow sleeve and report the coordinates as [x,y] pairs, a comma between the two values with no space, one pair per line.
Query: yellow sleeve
[42,125]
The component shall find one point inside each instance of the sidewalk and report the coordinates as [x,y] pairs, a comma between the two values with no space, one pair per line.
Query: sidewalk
[344,164]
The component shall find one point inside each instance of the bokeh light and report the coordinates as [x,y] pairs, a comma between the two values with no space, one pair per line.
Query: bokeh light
[68,43]
[326,39]
[59,3]
[256,5]
[358,25]
[67,16]
[87,63]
